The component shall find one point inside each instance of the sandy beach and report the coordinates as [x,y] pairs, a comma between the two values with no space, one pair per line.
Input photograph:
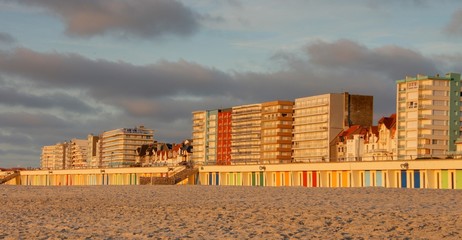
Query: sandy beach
[210,212]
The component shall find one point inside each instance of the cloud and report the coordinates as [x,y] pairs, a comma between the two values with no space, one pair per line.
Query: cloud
[454,27]
[110,81]
[393,61]
[140,18]
[6,39]
[13,97]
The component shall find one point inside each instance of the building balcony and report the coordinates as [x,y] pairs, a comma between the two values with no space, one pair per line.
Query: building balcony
[432,146]
[433,127]
[425,116]
[299,123]
[435,137]
[296,114]
[309,147]
[432,107]
[299,105]
[431,87]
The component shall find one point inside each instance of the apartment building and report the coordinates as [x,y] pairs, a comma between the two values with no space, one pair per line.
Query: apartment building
[246,134]
[118,147]
[78,153]
[224,137]
[53,156]
[212,137]
[276,132]
[92,151]
[199,136]
[428,112]
[319,119]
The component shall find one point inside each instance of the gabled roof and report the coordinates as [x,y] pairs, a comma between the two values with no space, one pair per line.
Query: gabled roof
[389,122]
[354,129]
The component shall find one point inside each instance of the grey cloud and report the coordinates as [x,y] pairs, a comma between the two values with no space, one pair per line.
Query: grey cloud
[106,80]
[16,138]
[454,27]
[10,96]
[450,62]
[26,120]
[393,61]
[6,39]
[140,18]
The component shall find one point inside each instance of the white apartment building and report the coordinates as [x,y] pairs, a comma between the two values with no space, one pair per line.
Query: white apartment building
[428,115]
[246,133]
[199,136]
[53,156]
[319,119]
[118,147]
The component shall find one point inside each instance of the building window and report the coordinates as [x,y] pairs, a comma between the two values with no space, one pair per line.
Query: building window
[412,85]
[412,105]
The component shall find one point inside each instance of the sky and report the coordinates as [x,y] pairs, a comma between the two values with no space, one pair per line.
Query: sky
[76,67]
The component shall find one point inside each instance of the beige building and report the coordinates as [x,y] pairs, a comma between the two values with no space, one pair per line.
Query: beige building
[276,133]
[428,115]
[53,156]
[78,153]
[118,147]
[381,140]
[92,151]
[318,120]
[199,135]
[246,134]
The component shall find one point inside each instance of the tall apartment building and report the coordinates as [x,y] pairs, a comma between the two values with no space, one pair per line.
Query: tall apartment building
[318,120]
[224,137]
[276,132]
[199,136]
[212,137]
[118,147]
[78,153]
[53,156]
[92,151]
[428,112]
[246,134]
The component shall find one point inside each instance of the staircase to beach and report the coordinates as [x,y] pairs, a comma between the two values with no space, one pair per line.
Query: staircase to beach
[172,180]
[9,177]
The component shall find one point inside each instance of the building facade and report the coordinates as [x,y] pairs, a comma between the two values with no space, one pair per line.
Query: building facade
[319,119]
[246,134]
[276,134]
[428,115]
[224,137]
[78,153]
[350,144]
[199,119]
[118,147]
[92,151]
[205,136]
[53,157]
[381,140]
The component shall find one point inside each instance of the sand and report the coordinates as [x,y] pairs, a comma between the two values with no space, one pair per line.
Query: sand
[211,212]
